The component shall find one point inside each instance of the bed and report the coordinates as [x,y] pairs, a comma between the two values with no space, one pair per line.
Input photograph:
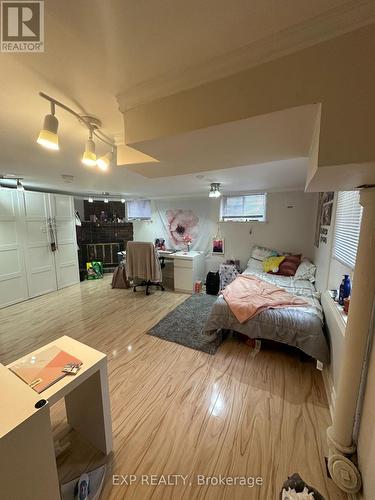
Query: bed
[301,327]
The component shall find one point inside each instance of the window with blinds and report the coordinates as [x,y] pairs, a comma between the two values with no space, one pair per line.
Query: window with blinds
[347,227]
[243,208]
[138,210]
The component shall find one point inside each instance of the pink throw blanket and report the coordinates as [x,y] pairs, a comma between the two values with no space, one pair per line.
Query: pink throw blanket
[248,296]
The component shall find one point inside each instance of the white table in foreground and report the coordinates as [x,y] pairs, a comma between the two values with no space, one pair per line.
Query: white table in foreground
[86,393]
[27,461]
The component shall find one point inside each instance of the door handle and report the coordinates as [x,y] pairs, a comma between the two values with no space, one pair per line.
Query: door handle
[53,245]
[54,226]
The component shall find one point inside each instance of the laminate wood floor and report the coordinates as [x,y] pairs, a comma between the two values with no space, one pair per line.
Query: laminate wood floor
[177,411]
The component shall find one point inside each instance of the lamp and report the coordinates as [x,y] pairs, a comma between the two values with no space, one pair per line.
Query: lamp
[91,200]
[48,137]
[214,191]
[104,161]
[19,186]
[106,200]
[122,200]
[89,156]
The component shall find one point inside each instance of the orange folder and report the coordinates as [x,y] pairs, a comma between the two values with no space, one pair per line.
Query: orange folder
[43,369]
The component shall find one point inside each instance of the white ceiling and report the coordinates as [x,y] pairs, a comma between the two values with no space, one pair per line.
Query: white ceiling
[283,175]
[266,138]
[96,50]
[267,152]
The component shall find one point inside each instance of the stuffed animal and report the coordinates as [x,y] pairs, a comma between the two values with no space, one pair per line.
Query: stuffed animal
[295,488]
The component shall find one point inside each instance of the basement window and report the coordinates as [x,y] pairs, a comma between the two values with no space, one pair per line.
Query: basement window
[138,210]
[243,208]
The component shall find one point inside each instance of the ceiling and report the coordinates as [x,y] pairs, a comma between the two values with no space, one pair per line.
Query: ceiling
[266,138]
[268,152]
[97,50]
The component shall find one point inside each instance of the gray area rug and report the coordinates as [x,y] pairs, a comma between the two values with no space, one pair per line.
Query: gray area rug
[184,324]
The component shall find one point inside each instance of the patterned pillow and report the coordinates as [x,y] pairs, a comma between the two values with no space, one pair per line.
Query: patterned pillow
[258,255]
[289,265]
[306,271]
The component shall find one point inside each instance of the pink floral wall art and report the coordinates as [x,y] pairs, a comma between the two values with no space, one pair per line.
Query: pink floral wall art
[182,223]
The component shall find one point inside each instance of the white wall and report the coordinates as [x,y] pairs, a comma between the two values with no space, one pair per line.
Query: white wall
[290,227]
[322,254]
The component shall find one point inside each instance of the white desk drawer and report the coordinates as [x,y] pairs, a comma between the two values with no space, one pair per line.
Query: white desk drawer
[183,280]
[183,263]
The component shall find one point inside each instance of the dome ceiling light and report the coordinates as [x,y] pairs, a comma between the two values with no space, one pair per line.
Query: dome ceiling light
[214,191]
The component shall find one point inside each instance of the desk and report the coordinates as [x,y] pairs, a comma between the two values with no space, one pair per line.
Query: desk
[188,268]
[27,458]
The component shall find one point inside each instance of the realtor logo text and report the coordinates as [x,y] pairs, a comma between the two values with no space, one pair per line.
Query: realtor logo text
[182,480]
[22,26]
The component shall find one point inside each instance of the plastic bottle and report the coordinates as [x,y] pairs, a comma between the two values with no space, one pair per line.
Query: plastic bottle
[345,289]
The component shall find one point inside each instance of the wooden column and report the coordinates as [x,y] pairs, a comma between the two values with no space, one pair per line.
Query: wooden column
[340,436]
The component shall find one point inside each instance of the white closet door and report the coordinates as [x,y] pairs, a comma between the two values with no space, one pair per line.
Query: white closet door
[66,255]
[13,283]
[40,262]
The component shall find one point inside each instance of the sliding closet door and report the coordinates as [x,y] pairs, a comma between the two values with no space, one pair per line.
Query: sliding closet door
[40,262]
[66,257]
[13,283]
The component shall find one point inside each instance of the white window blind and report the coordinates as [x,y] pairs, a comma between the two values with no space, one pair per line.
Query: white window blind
[247,207]
[138,209]
[347,227]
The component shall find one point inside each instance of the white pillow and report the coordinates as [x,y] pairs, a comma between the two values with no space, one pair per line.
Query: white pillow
[305,271]
[255,266]
[257,256]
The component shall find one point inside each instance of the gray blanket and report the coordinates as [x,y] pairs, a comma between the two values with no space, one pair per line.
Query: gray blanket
[300,327]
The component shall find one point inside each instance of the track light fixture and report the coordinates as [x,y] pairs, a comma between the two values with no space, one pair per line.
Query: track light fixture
[214,190]
[104,161]
[123,200]
[89,156]
[48,137]
[91,200]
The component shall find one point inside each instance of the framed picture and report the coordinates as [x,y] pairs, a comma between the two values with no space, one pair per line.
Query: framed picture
[218,246]
[327,214]
[323,216]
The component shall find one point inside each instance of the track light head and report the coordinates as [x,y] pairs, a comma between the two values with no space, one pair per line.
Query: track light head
[19,186]
[89,156]
[48,137]
[91,200]
[104,161]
